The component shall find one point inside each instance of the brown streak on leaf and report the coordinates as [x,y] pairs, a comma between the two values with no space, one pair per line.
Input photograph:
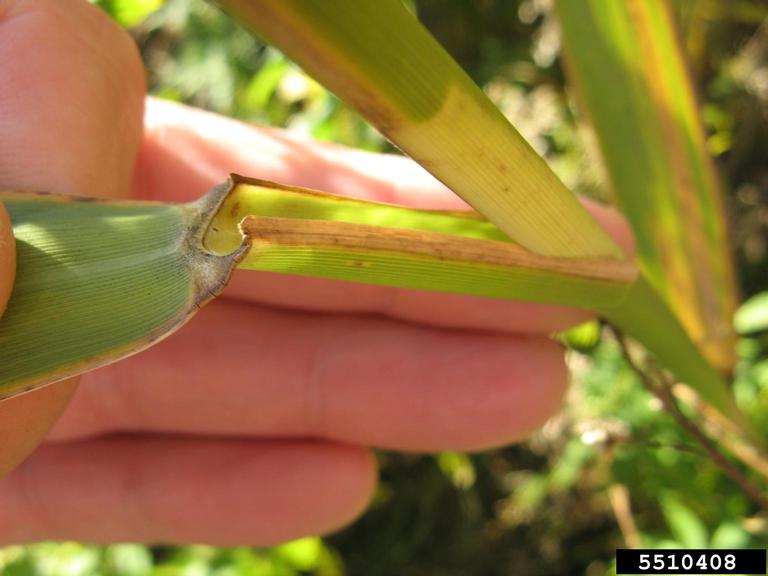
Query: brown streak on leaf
[290,231]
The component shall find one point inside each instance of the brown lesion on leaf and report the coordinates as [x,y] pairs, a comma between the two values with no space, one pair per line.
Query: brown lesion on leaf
[433,245]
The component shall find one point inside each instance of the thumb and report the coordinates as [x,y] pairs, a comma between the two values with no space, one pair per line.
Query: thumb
[71,102]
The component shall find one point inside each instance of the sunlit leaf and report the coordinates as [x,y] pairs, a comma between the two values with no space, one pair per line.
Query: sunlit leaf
[632,84]
[752,316]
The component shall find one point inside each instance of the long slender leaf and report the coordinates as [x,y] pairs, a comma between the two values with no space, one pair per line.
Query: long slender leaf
[309,233]
[628,68]
[379,59]
[375,55]
[421,249]
[98,281]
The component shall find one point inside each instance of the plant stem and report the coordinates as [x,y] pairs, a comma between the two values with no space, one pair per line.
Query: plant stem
[618,496]
[723,431]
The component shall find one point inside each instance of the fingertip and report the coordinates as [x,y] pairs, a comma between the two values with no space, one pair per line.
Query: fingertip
[546,387]
[25,420]
[178,490]
[439,391]
[72,99]
[276,491]
[354,480]
[524,390]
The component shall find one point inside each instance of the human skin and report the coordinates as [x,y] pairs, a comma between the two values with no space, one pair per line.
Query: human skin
[254,423]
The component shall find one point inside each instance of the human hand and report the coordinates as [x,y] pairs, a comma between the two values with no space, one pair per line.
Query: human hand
[252,424]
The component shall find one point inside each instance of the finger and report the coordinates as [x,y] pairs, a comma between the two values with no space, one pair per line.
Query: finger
[173,490]
[71,101]
[24,422]
[430,308]
[186,151]
[70,122]
[250,371]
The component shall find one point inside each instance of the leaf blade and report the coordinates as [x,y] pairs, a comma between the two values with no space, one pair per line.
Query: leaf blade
[380,60]
[305,232]
[631,81]
[98,281]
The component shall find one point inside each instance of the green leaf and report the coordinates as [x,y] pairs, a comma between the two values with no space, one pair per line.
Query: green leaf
[303,554]
[381,61]
[583,337]
[752,315]
[730,535]
[305,232]
[459,468]
[97,281]
[127,560]
[100,281]
[685,526]
[377,57]
[130,13]
[632,84]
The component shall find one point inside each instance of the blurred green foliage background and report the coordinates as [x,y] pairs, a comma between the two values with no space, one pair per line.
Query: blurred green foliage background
[554,505]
